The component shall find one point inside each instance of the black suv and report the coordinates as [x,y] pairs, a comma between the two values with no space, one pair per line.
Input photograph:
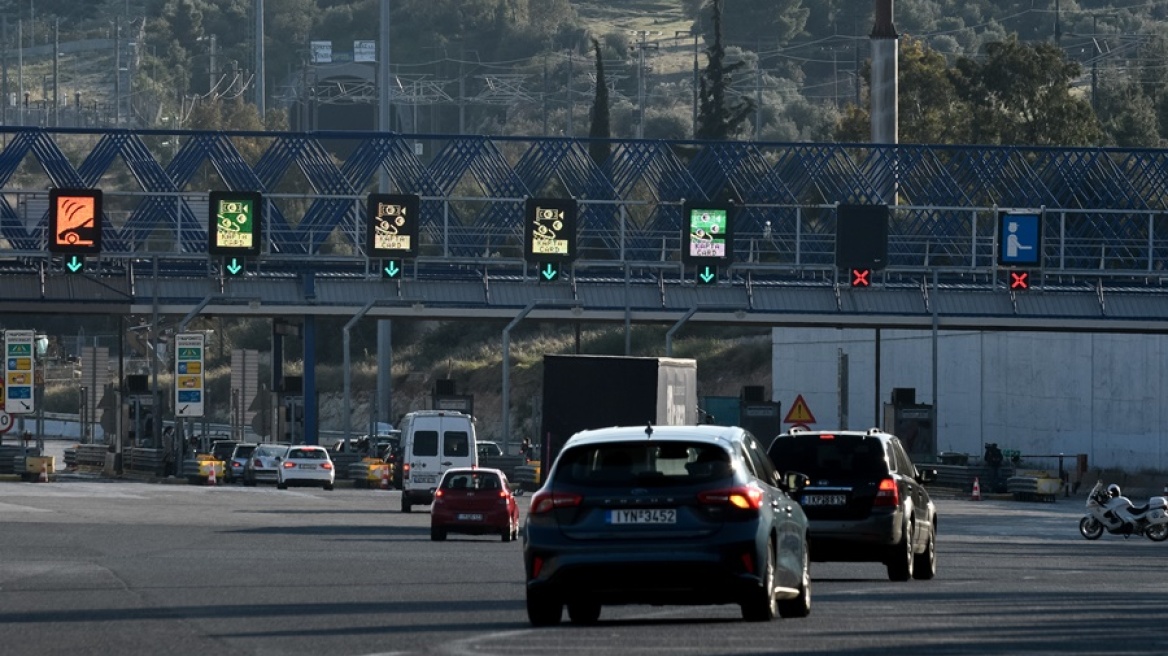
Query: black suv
[866,501]
[665,515]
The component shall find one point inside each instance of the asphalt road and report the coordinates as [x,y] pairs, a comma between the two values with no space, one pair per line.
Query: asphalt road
[91,567]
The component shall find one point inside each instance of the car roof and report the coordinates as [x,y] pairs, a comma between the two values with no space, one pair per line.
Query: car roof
[722,435]
[871,432]
[474,470]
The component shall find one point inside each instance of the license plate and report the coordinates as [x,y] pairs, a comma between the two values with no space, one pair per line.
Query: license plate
[643,516]
[825,499]
[470,517]
[308,466]
[424,479]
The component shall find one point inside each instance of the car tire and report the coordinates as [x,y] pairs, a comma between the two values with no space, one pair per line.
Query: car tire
[584,611]
[328,487]
[760,604]
[544,608]
[437,534]
[405,503]
[800,606]
[505,534]
[900,560]
[925,565]
[281,485]
[249,482]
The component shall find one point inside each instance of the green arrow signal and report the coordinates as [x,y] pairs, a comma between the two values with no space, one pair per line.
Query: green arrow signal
[392,269]
[550,272]
[75,263]
[707,276]
[235,267]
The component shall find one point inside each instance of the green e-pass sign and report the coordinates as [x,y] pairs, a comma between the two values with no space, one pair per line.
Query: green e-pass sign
[706,233]
[235,224]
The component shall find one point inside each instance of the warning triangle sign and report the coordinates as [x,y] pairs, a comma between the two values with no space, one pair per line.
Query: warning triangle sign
[799,413]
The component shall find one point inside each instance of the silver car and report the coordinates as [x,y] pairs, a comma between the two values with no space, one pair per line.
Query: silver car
[306,465]
[264,464]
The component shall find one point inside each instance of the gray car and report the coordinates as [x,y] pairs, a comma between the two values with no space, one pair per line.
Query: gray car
[264,463]
[866,500]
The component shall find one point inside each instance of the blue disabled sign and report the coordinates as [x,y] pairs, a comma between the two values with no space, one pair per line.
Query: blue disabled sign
[1020,238]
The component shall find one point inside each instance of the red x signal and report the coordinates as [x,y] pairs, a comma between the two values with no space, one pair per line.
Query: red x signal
[861,277]
[1019,280]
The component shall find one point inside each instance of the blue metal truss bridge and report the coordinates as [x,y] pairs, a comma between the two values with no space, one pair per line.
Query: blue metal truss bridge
[1105,231]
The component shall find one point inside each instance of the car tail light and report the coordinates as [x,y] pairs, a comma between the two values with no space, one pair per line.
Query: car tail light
[406,471]
[438,494]
[236,465]
[748,562]
[289,465]
[545,501]
[743,497]
[536,567]
[888,494]
[326,465]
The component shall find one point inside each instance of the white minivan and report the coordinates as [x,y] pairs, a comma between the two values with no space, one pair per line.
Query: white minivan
[433,441]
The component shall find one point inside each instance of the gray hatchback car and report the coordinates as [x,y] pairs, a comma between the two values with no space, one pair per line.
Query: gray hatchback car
[665,515]
[866,500]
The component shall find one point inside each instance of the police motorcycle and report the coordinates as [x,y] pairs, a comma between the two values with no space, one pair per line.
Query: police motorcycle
[1108,509]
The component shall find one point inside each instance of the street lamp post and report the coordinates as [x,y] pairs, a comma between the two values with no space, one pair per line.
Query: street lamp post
[694,34]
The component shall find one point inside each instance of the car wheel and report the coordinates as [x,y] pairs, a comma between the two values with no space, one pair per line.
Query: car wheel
[544,608]
[900,561]
[281,485]
[925,564]
[437,533]
[583,612]
[799,606]
[506,533]
[405,503]
[249,482]
[328,486]
[760,605]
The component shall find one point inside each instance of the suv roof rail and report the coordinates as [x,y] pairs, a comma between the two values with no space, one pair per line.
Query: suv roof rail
[874,431]
[796,429]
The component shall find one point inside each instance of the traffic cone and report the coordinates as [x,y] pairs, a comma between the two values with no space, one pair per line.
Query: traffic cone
[976,490]
[385,477]
[211,477]
[44,478]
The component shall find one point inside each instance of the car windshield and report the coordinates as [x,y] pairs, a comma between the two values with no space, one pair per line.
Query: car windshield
[270,451]
[308,454]
[644,464]
[472,481]
[824,454]
[243,451]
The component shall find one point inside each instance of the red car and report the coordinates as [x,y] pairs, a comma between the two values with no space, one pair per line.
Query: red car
[475,501]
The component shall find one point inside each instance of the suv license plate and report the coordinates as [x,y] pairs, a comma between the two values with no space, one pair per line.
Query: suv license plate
[308,466]
[470,517]
[643,516]
[424,479]
[825,499]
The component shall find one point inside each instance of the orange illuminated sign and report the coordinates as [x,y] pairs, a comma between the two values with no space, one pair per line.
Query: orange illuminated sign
[75,221]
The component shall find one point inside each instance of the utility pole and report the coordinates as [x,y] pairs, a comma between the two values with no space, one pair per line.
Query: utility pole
[56,71]
[259,55]
[694,119]
[117,72]
[571,100]
[641,46]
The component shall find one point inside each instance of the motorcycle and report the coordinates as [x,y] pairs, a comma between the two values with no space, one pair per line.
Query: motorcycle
[1118,516]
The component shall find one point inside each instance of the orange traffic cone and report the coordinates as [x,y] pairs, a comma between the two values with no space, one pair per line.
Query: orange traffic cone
[211,477]
[385,478]
[44,478]
[976,490]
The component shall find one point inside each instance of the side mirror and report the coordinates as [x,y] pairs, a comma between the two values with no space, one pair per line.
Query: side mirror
[794,481]
[927,475]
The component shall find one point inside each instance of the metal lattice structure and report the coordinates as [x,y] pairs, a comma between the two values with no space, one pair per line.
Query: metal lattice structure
[1104,206]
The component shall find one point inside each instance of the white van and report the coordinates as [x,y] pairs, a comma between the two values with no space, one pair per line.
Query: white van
[432,442]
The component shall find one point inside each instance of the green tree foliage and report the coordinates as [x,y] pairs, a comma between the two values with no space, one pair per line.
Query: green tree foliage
[1127,115]
[1021,94]
[599,130]
[718,117]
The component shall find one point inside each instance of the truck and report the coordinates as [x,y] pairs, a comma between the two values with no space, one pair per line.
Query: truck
[582,392]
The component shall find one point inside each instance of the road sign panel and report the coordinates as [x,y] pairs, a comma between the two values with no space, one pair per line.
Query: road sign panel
[19,376]
[188,369]
[549,230]
[6,421]
[235,226]
[1020,238]
[392,225]
[392,269]
[75,221]
[861,277]
[706,275]
[861,239]
[1019,281]
[707,233]
[799,413]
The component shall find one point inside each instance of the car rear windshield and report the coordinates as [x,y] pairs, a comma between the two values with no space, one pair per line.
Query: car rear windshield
[243,451]
[472,481]
[819,455]
[644,464]
[308,454]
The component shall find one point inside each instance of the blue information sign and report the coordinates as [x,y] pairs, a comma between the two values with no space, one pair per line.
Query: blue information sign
[1020,239]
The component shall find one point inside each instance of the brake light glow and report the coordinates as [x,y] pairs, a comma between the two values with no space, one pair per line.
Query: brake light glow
[826,436]
[744,497]
[888,494]
[438,494]
[406,471]
[545,502]
[326,465]
[289,465]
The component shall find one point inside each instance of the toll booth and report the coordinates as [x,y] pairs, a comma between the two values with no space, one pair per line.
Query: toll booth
[914,423]
[759,416]
[288,412]
[444,396]
[138,413]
